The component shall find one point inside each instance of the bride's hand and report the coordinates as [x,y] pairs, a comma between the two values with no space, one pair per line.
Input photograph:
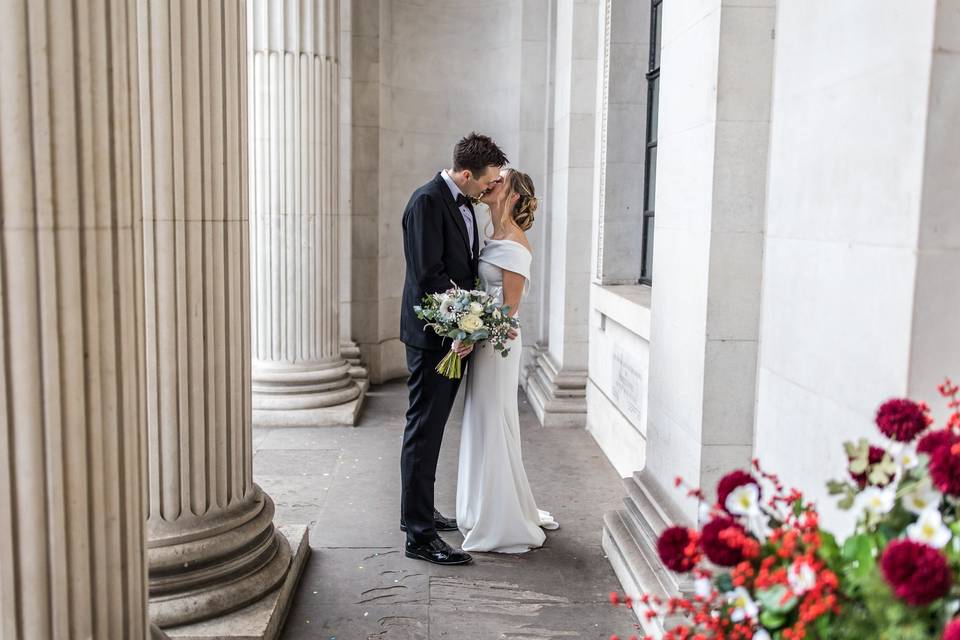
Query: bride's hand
[462,350]
[512,334]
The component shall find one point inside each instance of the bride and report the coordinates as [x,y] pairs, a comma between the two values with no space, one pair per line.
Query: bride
[495,506]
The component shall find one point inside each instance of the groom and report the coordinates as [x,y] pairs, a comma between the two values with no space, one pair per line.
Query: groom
[441,247]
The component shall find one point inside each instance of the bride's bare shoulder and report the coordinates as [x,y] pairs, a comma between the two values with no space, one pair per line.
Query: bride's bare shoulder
[519,237]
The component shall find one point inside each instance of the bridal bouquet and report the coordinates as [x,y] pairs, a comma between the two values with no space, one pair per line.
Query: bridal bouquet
[468,317]
[764,569]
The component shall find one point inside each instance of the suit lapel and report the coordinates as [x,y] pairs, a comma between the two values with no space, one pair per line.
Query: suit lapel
[454,210]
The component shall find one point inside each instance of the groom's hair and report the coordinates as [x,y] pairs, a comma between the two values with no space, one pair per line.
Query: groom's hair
[476,152]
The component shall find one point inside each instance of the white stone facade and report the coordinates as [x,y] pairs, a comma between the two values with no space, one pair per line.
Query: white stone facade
[806,260]
[806,254]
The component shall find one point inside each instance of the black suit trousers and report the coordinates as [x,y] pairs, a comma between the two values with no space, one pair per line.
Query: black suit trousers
[431,399]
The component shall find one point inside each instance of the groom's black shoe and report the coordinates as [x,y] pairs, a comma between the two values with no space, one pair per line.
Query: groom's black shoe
[440,523]
[438,552]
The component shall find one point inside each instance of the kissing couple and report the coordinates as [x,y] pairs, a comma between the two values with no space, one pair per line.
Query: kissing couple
[496,510]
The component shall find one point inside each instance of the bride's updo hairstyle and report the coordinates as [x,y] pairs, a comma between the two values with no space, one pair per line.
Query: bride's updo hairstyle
[521,184]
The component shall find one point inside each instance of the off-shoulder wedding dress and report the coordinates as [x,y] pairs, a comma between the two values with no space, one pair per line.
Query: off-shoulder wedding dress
[495,506]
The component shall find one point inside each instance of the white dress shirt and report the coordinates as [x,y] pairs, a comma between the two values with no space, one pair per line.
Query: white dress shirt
[464,209]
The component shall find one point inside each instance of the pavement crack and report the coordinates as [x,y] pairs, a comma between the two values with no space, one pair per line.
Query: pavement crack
[399,628]
[379,554]
[485,596]
[382,592]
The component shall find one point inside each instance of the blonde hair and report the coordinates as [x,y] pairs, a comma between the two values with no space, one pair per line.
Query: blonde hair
[526,206]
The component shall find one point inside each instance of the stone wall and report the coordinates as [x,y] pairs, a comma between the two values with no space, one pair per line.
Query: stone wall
[862,251]
[422,76]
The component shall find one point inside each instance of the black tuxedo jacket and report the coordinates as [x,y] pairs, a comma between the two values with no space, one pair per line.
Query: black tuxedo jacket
[436,247]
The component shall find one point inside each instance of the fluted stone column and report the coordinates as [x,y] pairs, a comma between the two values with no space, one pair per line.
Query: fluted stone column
[300,376]
[212,544]
[72,562]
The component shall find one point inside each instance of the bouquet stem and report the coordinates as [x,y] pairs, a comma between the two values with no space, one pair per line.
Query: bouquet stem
[450,366]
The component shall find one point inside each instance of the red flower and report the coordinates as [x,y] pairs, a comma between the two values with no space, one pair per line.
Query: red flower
[718,540]
[730,482]
[932,441]
[677,548]
[952,631]
[876,455]
[917,572]
[945,469]
[901,419]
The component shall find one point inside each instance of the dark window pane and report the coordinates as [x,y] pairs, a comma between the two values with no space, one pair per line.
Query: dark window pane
[657,18]
[651,187]
[653,95]
[647,269]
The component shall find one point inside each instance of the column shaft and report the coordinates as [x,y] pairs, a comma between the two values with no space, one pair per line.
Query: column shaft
[72,562]
[212,544]
[298,368]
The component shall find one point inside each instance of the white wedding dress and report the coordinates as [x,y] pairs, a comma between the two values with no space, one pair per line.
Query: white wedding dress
[495,506]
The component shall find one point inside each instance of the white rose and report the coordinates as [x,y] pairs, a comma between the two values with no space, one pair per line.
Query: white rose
[476,308]
[471,323]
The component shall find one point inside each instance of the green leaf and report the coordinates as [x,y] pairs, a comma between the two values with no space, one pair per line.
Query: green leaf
[723,583]
[773,599]
[837,487]
[860,550]
[772,620]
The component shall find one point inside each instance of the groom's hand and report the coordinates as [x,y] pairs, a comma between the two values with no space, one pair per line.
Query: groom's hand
[462,350]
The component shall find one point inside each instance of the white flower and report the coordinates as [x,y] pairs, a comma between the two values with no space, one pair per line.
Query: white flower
[921,499]
[447,308]
[801,577]
[702,587]
[476,308]
[470,323]
[929,529]
[496,314]
[876,501]
[906,457]
[744,501]
[762,634]
[743,605]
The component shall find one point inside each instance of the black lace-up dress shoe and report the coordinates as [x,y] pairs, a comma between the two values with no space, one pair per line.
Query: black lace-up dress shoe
[440,522]
[438,552]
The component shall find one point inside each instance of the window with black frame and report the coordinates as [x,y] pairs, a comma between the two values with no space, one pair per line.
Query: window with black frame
[650,159]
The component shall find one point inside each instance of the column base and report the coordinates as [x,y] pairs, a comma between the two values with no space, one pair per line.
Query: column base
[630,542]
[350,352]
[305,395]
[346,414]
[558,398]
[262,620]
[202,567]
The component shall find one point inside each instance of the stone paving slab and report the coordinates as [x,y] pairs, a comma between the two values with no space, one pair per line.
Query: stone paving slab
[344,482]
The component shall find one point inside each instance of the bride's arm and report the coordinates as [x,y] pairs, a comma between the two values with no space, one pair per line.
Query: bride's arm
[512,290]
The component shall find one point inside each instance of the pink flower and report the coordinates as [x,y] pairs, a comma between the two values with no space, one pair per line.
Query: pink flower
[677,548]
[945,469]
[731,482]
[902,419]
[917,573]
[952,630]
[933,440]
[717,545]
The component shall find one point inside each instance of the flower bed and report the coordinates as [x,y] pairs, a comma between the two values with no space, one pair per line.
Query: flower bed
[764,568]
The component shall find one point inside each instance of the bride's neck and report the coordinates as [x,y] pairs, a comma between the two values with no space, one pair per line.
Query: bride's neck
[496,217]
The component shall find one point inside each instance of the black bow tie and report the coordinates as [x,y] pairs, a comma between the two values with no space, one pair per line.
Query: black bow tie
[464,200]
